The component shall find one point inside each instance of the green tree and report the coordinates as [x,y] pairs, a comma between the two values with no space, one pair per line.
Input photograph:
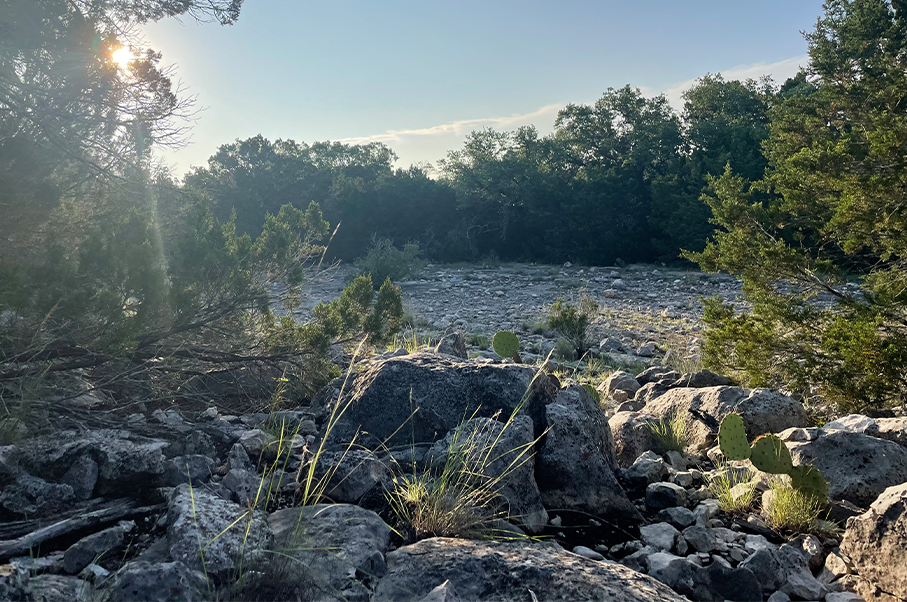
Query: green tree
[820,243]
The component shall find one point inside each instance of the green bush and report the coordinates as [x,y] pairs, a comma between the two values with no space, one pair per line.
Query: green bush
[820,241]
[572,323]
[674,431]
[384,261]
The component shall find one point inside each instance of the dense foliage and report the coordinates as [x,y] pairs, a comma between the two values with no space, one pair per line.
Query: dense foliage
[618,179]
[820,240]
[110,273]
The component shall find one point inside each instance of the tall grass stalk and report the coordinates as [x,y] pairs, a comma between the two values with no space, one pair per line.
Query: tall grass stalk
[789,509]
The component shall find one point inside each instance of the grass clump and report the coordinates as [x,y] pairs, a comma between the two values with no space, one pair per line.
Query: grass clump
[674,431]
[733,486]
[478,339]
[384,260]
[462,496]
[789,509]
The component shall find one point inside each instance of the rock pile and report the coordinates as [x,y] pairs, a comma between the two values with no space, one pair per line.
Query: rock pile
[189,508]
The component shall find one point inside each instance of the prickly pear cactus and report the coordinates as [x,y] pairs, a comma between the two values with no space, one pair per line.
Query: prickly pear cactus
[506,344]
[732,438]
[810,481]
[769,454]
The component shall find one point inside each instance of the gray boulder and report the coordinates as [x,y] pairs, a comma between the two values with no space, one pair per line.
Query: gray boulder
[508,571]
[660,536]
[337,548]
[349,475]
[657,374]
[141,581]
[34,497]
[665,495]
[229,533]
[632,436]
[890,429]
[650,391]
[453,345]
[428,395]
[195,469]
[763,410]
[82,476]
[648,468]
[58,588]
[673,571]
[127,463]
[575,464]
[9,464]
[858,467]
[504,455]
[718,583]
[620,381]
[88,549]
[876,542]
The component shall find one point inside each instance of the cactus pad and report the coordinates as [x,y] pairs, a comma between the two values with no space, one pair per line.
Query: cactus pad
[506,344]
[732,438]
[769,454]
[592,392]
[808,480]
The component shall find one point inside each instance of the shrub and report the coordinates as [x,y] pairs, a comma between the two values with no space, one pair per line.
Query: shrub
[564,350]
[384,261]
[790,509]
[572,323]
[674,431]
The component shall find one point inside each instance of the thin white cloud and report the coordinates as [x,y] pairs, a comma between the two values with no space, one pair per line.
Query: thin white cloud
[464,126]
[431,143]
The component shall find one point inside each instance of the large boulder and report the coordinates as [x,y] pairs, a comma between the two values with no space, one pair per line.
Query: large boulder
[32,497]
[350,474]
[142,581]
[858,467]
[632,436]
[763,410]
[892,429]
[505,455]
[127,464]
[876,542]
[507,571]
[227,532]
[419,397]
[575,464]
[337,549]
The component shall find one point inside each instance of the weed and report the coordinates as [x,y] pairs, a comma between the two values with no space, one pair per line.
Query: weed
[478,339]
[733,486]
[411,343]
[679,359]
[673,430]
[790,509]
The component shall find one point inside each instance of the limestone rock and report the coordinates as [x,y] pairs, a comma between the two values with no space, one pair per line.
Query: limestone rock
[440,390]
[858,467]
[202,518]
[508,571]
[575,465]
[876,543]
[763,410]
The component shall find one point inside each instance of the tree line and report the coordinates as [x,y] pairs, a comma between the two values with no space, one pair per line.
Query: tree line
[621,179]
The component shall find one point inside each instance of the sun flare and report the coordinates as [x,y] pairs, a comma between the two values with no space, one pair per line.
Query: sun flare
[122,57]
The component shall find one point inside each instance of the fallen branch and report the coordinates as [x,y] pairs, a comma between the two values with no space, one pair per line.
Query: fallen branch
[116,510]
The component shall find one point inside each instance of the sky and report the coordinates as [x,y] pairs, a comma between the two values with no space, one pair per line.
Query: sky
[419,76]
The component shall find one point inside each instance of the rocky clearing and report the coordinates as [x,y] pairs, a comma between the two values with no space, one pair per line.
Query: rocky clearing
[639,304]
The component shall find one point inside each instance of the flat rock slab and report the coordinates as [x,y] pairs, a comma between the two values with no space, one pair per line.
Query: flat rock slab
[508,571]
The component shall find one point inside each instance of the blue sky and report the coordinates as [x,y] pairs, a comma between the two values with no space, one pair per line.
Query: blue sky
[419,76]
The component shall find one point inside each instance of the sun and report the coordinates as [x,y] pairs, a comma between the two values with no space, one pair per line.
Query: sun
[122,57]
